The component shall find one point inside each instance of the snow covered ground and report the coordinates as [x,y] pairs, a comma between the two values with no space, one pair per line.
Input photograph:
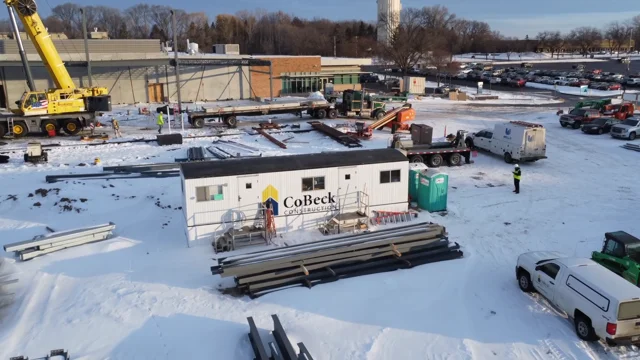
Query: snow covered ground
[145,295]
[572,90]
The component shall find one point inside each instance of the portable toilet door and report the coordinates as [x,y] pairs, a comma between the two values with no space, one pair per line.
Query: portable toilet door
[415,170]
[433,192]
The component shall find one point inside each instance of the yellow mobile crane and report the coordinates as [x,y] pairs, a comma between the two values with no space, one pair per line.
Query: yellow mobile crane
[66,106]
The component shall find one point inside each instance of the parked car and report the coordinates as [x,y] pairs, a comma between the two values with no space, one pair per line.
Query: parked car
[369,78]
[633,82]
[513,141]
[613,87]
[624,60]
[628,129]
[600,126]
[576,117]
[598,302]
[526,65]
[518,82]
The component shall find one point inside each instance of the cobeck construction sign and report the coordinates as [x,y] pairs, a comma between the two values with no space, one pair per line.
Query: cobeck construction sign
[299,205]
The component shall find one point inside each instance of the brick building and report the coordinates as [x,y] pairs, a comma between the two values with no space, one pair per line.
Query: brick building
[138,71]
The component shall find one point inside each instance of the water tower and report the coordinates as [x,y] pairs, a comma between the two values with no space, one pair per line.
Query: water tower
[388,18]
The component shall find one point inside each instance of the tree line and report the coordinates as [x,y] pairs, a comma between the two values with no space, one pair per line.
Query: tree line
[421,35]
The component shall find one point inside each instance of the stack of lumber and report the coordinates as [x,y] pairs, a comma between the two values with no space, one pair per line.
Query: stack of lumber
[342,257]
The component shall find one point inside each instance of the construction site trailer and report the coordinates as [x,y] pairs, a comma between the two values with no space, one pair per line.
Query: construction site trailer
[318,109]
[303,191]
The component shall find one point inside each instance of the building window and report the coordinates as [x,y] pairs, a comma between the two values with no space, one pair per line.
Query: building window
[389,176]
[313,183]
[209,193]
[247,186]
[347,177]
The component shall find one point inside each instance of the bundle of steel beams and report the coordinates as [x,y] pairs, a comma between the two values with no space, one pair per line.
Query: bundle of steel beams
[346,256]
[337,135]
[59,354]
[282,349]
[48,243]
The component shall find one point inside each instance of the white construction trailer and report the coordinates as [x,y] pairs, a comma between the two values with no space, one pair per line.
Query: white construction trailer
[304,191]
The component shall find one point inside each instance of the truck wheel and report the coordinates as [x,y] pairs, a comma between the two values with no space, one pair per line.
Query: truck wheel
[584,330]
[507,158]
[455,159]
[524,281]
[417,159]
[321,114]
[576,125]
[232,121]
[72,126]
[380,114]
[632,136]
[332,114]
[563,124]
[198,123]
[47,125]
[3,131]
[435,160]
[19,129]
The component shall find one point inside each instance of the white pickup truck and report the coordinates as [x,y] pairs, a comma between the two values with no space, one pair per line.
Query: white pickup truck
[600,303]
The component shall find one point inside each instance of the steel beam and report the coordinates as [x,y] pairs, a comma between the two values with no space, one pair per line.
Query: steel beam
[282,340]
[256,342]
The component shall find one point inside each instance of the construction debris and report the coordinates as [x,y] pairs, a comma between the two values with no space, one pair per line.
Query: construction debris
[7,280]
[137,174]
[59,354]
[337,135]
[346,256]
[271,138]
[281,349]
[630,146]
[48,243]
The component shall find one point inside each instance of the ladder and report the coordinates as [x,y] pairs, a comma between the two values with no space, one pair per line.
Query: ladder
[9,127]
[391,217]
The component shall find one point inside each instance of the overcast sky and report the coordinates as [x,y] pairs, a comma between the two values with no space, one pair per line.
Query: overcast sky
[510,17]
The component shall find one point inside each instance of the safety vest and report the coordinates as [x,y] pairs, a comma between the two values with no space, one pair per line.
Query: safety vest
[160,120]
[517,174]
[116,124]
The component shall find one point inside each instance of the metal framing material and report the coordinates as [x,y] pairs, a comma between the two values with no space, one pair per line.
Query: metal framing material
[346,256]
[282,349]
[44,244]
[256,341]
[282,340]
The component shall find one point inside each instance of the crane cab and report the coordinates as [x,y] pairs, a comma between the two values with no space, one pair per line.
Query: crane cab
[33,103]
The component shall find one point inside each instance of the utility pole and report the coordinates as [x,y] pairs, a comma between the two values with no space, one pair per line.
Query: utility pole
[175,53]
[86,45]
[23,54]
[356,46]
[334,46]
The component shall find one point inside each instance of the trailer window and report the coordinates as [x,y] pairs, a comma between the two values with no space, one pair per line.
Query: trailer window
[390,176]
[313,183]
[209,193]
[629,310]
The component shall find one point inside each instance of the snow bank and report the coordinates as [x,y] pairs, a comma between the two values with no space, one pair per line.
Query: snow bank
[571,90]
[316,96]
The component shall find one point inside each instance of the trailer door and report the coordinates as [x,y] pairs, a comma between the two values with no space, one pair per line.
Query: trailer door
[249,192]
[348,196]
[534,142]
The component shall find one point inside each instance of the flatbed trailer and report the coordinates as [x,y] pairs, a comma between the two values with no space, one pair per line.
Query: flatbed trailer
[434,156]
[20,125]
[318,109]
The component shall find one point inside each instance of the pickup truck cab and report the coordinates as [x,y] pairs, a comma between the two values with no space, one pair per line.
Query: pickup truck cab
[576,117]
[600,303]
[627,129]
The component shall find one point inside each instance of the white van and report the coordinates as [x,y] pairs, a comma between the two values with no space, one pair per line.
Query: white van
[600,303]
[514,141]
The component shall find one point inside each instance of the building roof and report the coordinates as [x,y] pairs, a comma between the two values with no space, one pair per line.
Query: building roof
[337,61]
[209,169]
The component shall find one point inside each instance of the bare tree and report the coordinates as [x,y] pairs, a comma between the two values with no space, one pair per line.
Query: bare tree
[618,34]
[585,38]
[138,20]
[556,42]
[408,43]
[108,19]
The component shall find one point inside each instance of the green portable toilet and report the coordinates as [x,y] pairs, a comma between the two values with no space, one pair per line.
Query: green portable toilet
[432,191]
[415,170]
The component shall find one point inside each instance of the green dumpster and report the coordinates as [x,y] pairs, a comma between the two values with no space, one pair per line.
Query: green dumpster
[415,170]
[432,191]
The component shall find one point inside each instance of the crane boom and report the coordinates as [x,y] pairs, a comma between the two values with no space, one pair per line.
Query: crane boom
[27,12]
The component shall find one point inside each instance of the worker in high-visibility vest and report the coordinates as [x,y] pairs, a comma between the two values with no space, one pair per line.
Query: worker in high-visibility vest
[116,127]
[517,174]
[160,123]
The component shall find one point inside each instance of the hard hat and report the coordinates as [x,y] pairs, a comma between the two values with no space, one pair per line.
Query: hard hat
[517,165]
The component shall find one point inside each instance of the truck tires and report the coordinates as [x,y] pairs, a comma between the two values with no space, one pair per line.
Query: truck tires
[576,125]
[524,281]
[332,113]
[507,158]
[417,159]
[380,114]
[584,330]
[320,114]
[435,160]
[48,125]
[197,123]
[231,121]
[632,136]
[72,126]
[455,159]
[19,129]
